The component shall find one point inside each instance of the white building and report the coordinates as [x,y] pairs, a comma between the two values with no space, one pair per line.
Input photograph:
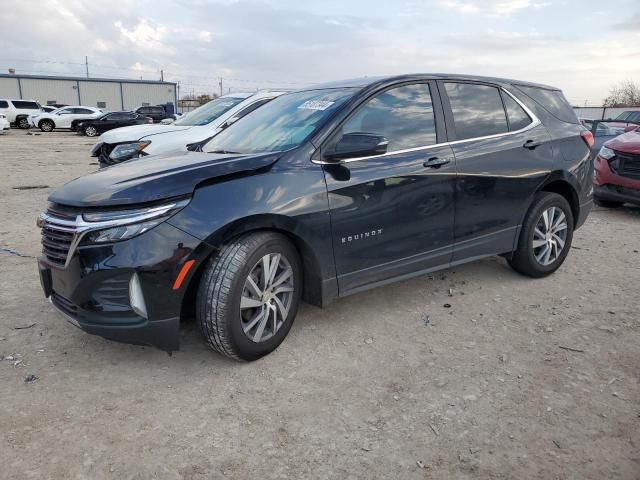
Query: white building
[105,93]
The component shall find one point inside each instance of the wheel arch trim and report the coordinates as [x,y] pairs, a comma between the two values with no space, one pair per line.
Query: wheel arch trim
[317,289]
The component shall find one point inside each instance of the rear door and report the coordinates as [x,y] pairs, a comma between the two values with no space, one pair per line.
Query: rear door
[502,154]
[107,122]
[392,214]
[128,119]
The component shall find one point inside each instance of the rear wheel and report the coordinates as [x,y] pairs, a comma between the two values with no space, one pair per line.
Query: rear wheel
[606,203]
[545,238]
[46,125]
[249,294]
[90,131]
[23,123]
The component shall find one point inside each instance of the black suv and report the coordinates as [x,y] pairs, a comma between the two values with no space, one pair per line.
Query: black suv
[109,121]
[157,112]
[319,194]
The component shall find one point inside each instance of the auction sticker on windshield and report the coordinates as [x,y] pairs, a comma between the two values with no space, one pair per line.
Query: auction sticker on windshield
[316,104]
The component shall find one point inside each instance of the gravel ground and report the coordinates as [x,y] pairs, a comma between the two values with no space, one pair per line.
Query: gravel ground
[518,378]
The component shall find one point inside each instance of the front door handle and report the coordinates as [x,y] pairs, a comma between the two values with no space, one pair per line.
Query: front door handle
[436,162]
[531,144]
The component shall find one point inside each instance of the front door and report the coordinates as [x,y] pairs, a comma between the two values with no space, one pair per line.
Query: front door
[392,215]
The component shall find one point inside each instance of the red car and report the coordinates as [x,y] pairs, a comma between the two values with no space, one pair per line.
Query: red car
[617,175]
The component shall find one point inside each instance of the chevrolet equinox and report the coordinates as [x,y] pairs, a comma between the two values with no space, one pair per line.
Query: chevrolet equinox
[319,194]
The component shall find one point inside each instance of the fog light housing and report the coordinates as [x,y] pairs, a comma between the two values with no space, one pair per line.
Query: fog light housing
[136,298]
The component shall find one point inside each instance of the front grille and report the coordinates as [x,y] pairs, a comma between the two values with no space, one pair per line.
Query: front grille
[629,165]
[65,305]
[56,244]
[58,233]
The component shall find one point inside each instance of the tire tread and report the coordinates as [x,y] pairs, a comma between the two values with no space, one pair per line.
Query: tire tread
[215,290]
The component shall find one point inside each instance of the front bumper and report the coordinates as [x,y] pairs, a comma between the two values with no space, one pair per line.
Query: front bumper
[610,186]
[93,290]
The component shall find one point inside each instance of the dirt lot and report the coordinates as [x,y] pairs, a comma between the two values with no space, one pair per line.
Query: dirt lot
[519,378]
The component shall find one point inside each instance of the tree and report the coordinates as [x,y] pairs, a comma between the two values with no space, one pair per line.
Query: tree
[204,98]
[625,94]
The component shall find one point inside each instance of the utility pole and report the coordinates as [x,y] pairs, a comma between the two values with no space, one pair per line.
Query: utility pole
[177,95]
[220,86]
[86,64]
[162,75]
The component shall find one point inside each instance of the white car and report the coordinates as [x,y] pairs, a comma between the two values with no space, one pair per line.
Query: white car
[44,109]
[204,122]
[18,111]
[4,124]
[65,117]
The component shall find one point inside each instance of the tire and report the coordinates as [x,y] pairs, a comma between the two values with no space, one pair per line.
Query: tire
[219,313]
[23,123]
[46,125]
[607,203]
[90,131]
[531,258]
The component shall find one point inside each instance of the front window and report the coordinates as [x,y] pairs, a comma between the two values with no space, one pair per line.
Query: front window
[281,124]
[403,115]
[208,112]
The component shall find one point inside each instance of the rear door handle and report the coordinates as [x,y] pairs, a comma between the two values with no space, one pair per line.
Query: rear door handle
[436,162]
[531,144]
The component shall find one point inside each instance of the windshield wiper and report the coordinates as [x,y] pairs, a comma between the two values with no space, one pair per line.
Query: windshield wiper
[224,151]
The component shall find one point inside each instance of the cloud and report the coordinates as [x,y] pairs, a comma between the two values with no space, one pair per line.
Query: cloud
[491,7]
[261,43]
[632,23]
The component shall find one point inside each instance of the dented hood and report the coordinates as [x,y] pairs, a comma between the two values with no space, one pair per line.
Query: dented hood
[154,178]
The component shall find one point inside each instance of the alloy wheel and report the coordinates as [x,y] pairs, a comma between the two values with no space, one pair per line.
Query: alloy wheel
[23,123]
[46,126]
[267,297]
[90,131]
[549,236]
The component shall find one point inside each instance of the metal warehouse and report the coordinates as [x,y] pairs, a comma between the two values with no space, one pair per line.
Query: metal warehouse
[104,93]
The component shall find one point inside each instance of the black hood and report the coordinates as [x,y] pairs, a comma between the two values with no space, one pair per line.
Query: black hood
[154,178]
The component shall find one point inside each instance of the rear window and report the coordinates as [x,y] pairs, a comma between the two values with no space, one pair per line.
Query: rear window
[518,118]
[4,104]
[634,117]
[22,105]
[552,101]
[477,110]
[623,116]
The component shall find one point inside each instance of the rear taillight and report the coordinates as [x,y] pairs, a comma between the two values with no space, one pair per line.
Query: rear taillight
[587,136]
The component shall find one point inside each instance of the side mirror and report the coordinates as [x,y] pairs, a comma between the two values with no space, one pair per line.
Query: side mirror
[353,145]
[230,122]
[630,128]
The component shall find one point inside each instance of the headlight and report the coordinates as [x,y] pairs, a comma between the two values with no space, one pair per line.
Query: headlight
[117,225]
[606,153]
[128,150]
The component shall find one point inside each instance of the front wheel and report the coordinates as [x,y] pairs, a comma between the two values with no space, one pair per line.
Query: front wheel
[545,238]
[249,294]
[46,125]
[90,131]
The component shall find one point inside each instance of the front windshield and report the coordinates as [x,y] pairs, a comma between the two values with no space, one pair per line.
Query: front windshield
[281,124]
[208,112]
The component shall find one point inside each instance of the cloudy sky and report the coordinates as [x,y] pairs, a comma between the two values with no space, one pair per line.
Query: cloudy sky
[582,46]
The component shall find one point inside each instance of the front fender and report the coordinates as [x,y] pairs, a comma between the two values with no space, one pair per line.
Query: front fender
[290,200]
